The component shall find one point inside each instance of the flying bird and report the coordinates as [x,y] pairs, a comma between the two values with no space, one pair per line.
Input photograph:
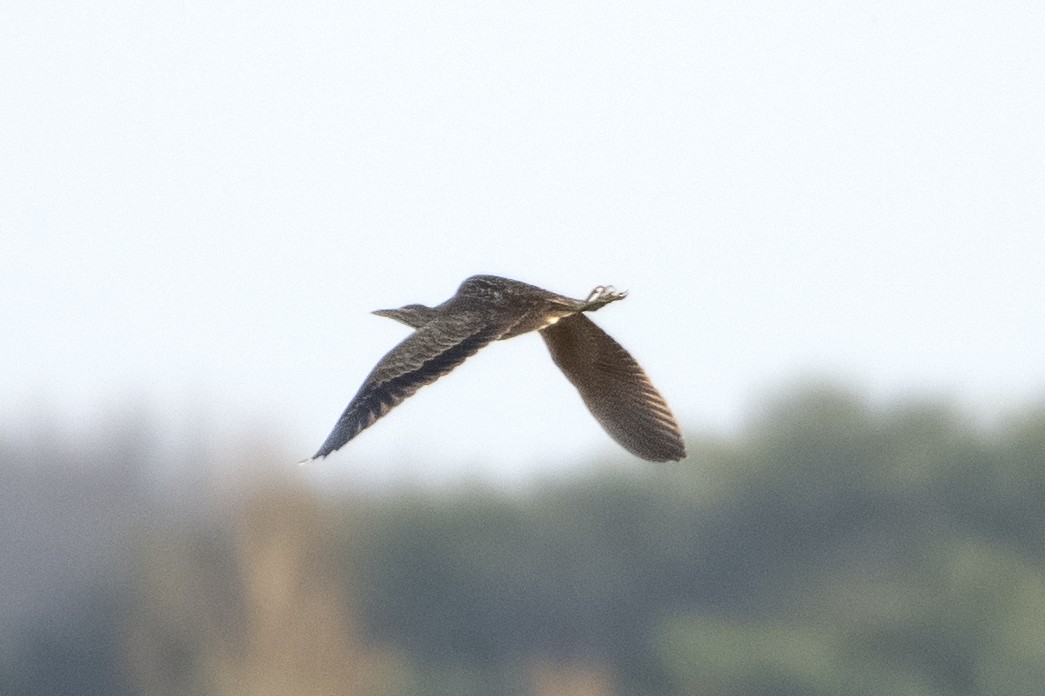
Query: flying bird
[488,308]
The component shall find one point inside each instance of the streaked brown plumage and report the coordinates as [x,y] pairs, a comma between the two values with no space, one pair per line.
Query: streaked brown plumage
[488,308]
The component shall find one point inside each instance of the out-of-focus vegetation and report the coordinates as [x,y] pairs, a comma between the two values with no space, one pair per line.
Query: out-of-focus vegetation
[832,547]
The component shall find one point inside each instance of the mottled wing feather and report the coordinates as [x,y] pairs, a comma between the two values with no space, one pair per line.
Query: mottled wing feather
[615,389]
[430,352]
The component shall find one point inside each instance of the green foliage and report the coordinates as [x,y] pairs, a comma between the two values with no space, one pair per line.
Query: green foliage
[832,547]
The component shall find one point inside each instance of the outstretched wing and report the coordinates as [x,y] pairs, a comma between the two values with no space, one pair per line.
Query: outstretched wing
[423,357]
[615,389]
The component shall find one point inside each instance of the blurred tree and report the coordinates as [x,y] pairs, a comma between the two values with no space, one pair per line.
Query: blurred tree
[260,612]
[831,547]
[820,540]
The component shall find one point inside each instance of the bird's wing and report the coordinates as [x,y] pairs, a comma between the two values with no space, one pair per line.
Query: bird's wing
[423,357]
[615,389]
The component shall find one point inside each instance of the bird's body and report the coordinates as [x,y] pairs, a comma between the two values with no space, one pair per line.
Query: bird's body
[489,308]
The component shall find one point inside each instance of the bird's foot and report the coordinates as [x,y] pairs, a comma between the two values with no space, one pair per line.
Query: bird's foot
[602,296]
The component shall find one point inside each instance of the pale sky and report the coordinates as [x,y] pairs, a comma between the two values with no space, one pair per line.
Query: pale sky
[200,203]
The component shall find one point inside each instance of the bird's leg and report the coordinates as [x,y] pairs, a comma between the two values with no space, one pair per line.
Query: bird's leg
[602,296]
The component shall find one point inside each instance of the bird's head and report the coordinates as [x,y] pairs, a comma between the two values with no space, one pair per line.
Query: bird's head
[415,315]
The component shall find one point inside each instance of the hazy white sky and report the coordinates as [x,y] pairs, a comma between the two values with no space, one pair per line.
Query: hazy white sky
[201,201]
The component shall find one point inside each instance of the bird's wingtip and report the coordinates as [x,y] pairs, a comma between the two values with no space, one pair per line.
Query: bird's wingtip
[678,455]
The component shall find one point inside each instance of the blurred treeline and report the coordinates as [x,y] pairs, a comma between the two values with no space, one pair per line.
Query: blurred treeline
[832,547]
